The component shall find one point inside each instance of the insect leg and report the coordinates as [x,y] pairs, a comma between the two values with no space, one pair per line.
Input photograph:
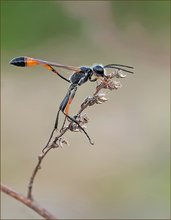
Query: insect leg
[55,127]
[75,121]
[65,106]
[49,140]
[62,107]
[47,66]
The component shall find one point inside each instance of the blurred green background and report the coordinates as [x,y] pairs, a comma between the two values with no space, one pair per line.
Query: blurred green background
[127,173]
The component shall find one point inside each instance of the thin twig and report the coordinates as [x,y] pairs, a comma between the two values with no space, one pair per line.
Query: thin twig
[38,166]
[28,202]
[107,83]
[30,186]
[45,151]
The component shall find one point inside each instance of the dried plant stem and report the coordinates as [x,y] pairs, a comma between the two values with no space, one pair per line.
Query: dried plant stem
[30,186]
[28,202]
[84,105]
[38,166]
[95,99]
[77,124]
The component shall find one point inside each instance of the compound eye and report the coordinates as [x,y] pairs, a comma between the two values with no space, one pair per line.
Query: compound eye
[98,70]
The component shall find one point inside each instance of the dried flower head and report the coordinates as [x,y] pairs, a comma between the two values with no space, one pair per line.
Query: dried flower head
[99,97]
[59,142]
[82,120]
[116,74]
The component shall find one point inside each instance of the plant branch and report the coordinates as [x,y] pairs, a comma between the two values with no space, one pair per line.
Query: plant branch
[96,98]
[28,202]
[38,166]
[78,124]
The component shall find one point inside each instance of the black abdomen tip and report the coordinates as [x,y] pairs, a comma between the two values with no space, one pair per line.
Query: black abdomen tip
[18,61]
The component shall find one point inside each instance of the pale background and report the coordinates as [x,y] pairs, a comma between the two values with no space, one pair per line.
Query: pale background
[126,174]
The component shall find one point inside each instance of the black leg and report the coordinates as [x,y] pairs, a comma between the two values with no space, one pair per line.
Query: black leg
[75,121]
[49,139]
[55,127]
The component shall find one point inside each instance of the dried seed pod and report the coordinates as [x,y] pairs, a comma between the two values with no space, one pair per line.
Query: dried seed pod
[82,119]
[59,142]
[120,74]
[114,85]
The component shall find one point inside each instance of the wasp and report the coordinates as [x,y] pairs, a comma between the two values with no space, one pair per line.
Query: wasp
[79,76]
